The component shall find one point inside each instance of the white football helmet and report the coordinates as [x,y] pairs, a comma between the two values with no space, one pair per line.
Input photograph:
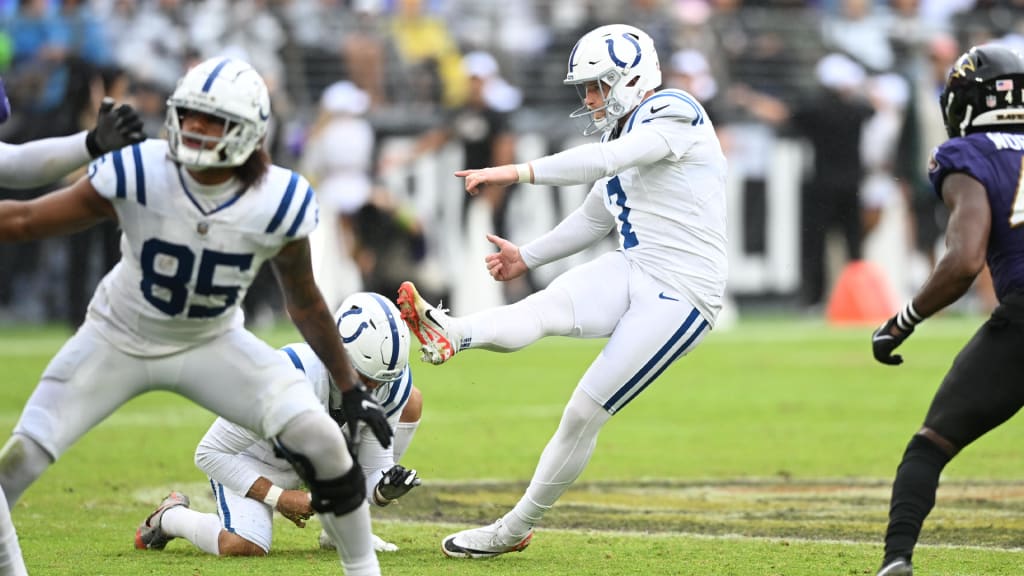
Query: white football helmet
[624,61]
[375,337]
[227,88]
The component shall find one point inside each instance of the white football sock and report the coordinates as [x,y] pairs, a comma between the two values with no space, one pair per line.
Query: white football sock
[11,562]
[22,461]
[509,328]
[562,461]
[314,435]
[199,528]
[404,432]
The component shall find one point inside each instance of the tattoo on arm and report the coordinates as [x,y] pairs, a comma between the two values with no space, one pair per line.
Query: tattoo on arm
[308,311]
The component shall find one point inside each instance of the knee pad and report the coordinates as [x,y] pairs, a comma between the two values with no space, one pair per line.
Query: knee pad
[22,460]
[338,495]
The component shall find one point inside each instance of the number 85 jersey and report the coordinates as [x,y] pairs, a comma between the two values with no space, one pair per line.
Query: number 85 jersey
[185,264]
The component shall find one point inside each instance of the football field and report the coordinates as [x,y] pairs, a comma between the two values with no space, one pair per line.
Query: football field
[768,451]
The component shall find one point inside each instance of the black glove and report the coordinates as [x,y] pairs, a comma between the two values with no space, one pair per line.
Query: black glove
[115,129]
[361,407]
[884,341]
[396,483]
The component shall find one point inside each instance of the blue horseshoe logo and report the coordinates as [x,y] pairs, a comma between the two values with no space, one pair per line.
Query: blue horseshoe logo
[611,51]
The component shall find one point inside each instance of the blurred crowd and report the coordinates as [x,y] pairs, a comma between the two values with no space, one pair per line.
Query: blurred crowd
[364,90]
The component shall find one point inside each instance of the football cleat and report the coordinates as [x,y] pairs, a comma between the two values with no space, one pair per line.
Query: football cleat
[150,535]
[484,542]
[431,325]
[896,567]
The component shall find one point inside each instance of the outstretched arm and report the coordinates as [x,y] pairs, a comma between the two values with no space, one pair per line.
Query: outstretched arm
[970,221]
[307,309]
[67,210]
[48,160]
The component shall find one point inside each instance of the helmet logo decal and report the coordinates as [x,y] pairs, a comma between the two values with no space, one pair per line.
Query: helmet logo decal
[213,75]
[964,65]
[353,310]
[263,115]
[620,63]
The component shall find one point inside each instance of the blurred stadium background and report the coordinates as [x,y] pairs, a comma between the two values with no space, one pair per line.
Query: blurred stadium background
[377,101]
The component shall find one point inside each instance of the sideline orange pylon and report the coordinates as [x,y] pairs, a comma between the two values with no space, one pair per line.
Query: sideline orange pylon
[862,295]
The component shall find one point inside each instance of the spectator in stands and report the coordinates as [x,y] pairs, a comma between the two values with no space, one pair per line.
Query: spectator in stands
[832,121]
[428,55]
[343,183]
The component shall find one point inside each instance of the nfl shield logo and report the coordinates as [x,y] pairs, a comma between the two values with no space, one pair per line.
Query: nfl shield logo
[202,228]
[990,101]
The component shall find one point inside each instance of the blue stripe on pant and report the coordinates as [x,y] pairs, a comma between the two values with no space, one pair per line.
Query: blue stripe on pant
[657,364]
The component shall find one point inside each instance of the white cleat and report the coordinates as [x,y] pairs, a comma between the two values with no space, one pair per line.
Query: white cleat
[429,324]
[379,544]
[898,567]
[484,542]
[150,534]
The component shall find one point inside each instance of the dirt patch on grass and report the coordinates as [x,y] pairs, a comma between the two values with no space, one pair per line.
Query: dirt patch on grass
[980,514]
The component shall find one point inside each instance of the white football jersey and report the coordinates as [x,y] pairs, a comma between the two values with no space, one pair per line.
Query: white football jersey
[671,215]
[257,454]
[185,270]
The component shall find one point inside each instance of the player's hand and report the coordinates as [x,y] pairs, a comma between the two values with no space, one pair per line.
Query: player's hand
[295,505]
[361,407]
[5,104]
[507,263]
[887,338]
[477,179]
[115,128]
[397,482]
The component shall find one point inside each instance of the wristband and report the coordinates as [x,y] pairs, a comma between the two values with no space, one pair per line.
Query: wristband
[524,173]
[908,317]
[378,499]
[273,494]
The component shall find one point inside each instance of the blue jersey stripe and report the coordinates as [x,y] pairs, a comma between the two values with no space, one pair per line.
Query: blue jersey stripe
[393,324]
[294,358]
[119,172]
[680,352]
[641,375]
[406,391]
[668,94]
[302,212]
[286,202]
[140,175]
[222,504]
[216,71]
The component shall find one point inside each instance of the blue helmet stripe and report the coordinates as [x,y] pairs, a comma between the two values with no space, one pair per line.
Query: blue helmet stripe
[216,71]
[394,329]
[572,55]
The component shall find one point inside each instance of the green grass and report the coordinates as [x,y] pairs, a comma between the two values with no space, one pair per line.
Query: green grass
[768,451]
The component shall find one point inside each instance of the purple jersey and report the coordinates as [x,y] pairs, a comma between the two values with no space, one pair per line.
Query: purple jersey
[994,159]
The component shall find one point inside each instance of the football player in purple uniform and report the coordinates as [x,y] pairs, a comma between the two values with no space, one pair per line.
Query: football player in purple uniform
[979,174]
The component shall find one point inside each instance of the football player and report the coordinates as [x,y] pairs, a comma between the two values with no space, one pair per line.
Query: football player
[200,213]
[41,162]
[658,178]
[979,174]
[241,464]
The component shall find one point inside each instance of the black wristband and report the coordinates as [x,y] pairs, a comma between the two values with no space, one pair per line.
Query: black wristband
[90,143]
[908,317]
